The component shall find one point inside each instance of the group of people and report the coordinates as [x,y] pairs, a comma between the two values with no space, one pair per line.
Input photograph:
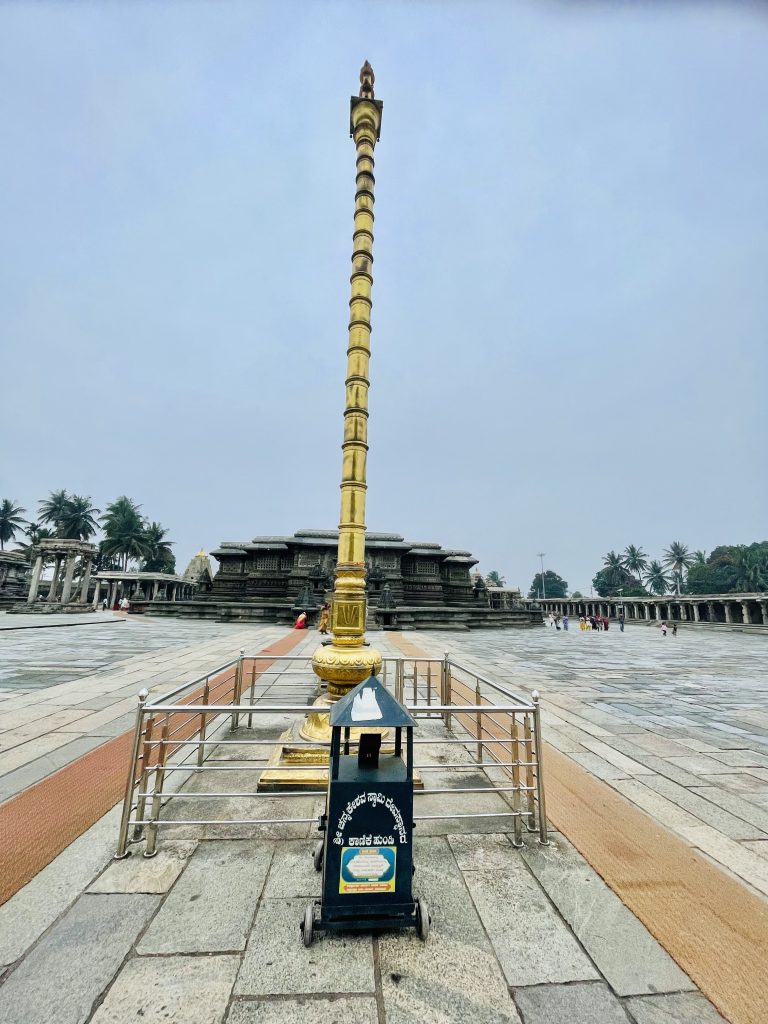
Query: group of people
[322,625]
[588,623]
[558,621]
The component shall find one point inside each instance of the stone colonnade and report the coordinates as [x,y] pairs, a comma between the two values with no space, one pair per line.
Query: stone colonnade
[727,609]
[65,555]
[141,587]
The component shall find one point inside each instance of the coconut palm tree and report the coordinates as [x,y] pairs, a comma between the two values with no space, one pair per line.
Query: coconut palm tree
[53,509]
[493,579]
[635,560]
[678,558]
[699,558]
[656,579]
[10,521]
[159,557]
[78,520]
[124,531]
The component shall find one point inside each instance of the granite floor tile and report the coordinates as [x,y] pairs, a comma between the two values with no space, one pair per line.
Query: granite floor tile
[570,1004]
[601,922]
[157,990]
[211,907]
[62,977]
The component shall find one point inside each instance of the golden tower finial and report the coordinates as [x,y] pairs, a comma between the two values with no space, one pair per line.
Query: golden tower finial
[367,78]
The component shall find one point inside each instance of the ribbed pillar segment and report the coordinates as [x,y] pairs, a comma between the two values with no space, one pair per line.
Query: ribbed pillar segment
[347,661]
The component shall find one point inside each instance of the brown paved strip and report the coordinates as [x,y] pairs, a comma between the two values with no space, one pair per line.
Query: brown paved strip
[36,825]
[712,925]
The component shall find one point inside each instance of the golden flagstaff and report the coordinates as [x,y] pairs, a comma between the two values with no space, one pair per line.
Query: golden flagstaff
[347,660]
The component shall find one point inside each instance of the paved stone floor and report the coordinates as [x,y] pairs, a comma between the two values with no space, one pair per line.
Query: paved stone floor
[207,931]
[679,726]
[64,690]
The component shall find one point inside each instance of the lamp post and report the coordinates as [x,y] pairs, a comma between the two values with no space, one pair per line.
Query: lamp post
[543,587]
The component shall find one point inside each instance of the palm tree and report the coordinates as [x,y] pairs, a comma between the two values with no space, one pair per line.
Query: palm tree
[635,561]
[159,557]
[678,558]
[78,518]
[53,509]
[699,558]
[613,569]
[124,531]
[10,521]
[657,580]
[493,579]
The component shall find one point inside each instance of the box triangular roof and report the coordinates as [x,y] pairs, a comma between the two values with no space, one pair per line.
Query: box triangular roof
[368,695]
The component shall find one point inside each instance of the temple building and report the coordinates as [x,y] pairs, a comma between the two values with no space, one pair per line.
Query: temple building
[409,583]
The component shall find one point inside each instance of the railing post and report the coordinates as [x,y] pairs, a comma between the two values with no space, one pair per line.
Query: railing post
[478,719]
[203,724]
[429,684]
[253,692]
[238,689]
[141,801]
[543,836]
[157,797]
[516,803]
[448,687]
[528,745]
[122,842]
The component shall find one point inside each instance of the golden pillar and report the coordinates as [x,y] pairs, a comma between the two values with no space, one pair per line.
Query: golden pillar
[347,660]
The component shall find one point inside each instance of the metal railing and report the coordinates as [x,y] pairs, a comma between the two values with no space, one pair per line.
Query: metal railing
[489,727]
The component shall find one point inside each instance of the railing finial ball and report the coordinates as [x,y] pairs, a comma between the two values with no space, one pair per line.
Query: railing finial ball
[143,694]
[535,696]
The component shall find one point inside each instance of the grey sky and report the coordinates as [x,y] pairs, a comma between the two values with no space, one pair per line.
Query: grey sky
[570,290]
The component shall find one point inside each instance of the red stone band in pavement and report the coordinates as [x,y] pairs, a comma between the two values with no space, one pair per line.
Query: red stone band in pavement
[36,825]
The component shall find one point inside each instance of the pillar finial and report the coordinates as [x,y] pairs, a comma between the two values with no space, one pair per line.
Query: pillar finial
[367,78]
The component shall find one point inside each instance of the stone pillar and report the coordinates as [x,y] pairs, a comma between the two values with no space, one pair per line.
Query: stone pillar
[69,573]
[173,591]
[35,585]
[727,608]
[96,593]
[86,581]
[696,612]
[711,611]
[764,612]
[745,613]
[647,608]
[683,612]
[155,588]
[112,593]
[54,581]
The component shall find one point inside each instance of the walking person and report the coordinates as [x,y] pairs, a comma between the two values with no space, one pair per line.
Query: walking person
[621,622]
[322,625]
[565,623]
[663,629]
[674,629]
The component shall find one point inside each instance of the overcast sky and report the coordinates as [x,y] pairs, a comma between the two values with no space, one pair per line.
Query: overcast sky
[570,315]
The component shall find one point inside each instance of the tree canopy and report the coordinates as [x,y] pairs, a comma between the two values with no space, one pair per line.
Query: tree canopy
[495,579]
[730,569]
[11,521]
[554,585]
[128,536]
[71,515]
